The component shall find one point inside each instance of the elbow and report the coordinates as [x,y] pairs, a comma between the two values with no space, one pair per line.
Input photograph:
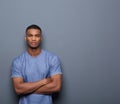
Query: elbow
[58,88]
[18,91]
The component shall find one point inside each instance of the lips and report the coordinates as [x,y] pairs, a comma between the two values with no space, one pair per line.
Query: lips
[33,43]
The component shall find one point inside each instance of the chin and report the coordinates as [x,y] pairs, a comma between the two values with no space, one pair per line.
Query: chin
[34,47]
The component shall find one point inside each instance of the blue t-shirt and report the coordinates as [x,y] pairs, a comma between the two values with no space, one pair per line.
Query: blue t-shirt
[33,69]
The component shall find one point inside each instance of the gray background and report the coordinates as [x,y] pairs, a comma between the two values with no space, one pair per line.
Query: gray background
[85,34]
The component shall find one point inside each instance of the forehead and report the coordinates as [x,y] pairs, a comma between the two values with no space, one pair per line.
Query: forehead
[33,31]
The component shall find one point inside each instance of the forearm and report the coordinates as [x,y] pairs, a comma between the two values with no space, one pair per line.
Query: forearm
[53,86]
[47,89]
[29,87]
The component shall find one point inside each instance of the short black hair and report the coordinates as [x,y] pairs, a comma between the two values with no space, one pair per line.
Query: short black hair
[33,26]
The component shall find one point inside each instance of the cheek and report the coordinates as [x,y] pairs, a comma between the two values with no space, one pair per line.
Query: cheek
[28,40]
[39,40]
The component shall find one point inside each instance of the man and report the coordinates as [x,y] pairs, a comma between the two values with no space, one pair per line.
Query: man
[36,73]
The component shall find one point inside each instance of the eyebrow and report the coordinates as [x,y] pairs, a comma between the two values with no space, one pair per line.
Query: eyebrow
[32,34]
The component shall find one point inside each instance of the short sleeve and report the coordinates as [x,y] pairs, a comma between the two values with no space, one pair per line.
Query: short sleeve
[55,66]
[16,69]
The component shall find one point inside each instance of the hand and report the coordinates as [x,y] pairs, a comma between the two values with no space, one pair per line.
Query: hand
[46,80]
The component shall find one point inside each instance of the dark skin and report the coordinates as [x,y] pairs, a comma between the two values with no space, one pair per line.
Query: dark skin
[45,86]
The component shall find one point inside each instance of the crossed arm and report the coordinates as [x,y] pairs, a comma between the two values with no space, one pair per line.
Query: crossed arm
[44,86]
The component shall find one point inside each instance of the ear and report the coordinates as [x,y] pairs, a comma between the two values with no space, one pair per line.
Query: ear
[41,38]
[25,38]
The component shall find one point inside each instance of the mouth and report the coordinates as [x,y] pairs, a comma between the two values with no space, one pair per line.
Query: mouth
[33,43]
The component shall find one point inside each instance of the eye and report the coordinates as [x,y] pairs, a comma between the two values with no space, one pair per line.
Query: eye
[29,35]
[37,35]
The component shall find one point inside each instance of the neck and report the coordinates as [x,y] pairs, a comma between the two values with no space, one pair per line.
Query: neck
[34,52]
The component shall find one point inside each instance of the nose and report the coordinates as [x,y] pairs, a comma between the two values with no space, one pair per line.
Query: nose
[33,38]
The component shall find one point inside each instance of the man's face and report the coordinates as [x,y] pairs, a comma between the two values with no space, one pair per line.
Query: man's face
[33,38]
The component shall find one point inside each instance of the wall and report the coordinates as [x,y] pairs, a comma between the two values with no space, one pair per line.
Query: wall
[85,34]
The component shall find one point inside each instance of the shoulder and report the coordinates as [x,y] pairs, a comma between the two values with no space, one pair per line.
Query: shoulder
[52,57]
[50,54]
[19,58]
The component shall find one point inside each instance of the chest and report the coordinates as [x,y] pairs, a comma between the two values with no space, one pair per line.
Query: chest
[36,69]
